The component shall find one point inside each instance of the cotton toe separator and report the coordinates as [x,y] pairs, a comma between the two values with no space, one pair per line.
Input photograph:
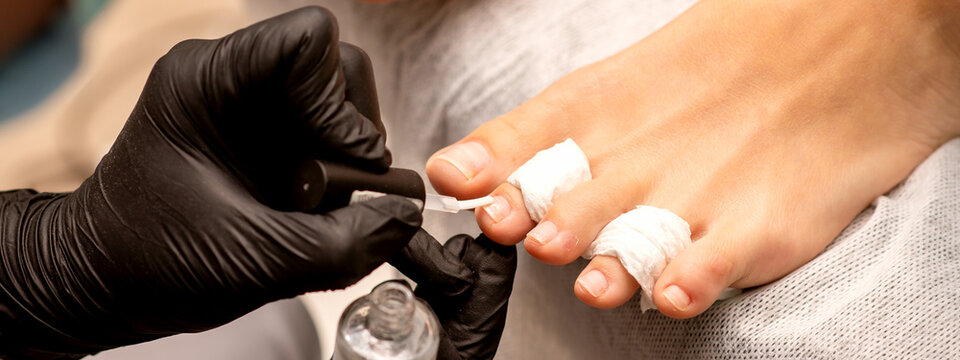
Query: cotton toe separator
[644,239]
[548,174]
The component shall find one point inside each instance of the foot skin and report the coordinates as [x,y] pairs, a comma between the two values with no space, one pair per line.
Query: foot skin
[766,125]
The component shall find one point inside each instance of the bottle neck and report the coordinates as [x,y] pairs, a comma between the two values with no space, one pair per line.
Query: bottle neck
[391,311]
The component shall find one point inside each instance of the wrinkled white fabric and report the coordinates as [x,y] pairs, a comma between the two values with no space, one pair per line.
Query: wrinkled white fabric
[644,239]
[548,174]
[887,287]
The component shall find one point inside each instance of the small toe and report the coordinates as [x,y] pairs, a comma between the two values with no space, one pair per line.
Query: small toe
[605,284]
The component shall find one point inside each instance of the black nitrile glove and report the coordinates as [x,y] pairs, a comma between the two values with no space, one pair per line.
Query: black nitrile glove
[185,225]
[467,283]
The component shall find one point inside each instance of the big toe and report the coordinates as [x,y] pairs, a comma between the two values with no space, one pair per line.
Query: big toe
[454,170]
[478,163]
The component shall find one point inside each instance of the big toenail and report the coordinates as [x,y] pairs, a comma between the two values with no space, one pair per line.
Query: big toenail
[677,297]
[594,282]
[543,233]
[469,158]
[569,241]
[498,210]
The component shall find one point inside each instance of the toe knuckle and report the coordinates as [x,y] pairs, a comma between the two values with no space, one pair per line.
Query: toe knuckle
[508,128]
[563,208]
[719,265]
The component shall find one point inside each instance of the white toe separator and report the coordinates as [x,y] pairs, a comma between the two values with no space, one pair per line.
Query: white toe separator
[548,174]
[644,239]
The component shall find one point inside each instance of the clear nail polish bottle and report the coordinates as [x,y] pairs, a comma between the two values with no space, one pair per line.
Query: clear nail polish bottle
[388,323]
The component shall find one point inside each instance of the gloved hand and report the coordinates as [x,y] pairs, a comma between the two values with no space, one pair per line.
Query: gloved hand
[184,225]
[467,283]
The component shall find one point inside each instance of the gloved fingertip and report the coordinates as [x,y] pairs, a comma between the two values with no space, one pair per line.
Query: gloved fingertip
[361,88]
[387,158]
[436,270]
[483,252]
[318,20]
[457,244]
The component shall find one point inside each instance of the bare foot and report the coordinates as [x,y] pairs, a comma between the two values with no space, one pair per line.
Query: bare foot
[766,125]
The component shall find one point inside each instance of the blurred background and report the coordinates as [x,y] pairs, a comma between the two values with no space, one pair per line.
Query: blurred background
[72,70]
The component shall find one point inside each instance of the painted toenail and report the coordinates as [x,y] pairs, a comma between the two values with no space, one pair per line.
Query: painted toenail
[469,158]
[498,210]
[594,283]
[677,297]
[543,233]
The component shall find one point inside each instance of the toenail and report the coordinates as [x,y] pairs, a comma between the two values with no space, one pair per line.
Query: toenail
[677,297]
[498,210]
[569,241]
[543,233]
[594,282]
[469,158]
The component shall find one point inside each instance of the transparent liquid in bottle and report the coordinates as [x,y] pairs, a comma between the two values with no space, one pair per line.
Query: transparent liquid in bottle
[388,323]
